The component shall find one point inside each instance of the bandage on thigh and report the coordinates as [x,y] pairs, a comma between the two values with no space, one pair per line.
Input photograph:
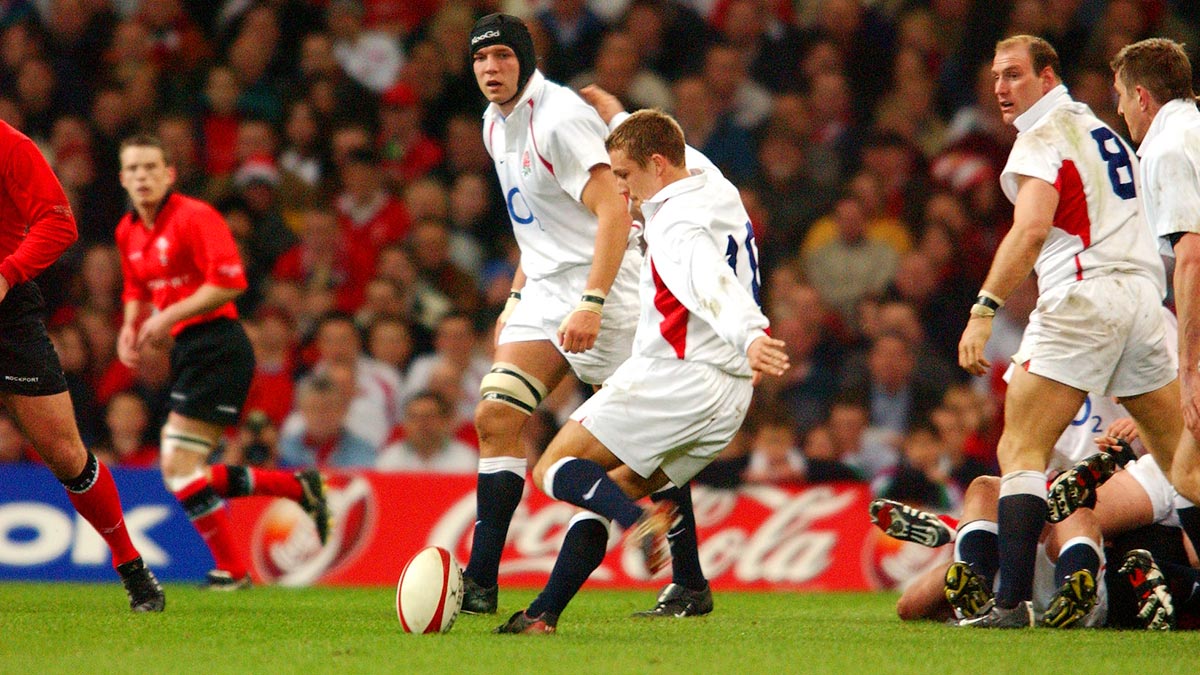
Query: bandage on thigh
[508,384]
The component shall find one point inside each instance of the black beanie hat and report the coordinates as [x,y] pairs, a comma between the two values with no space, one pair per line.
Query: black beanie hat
[510,31]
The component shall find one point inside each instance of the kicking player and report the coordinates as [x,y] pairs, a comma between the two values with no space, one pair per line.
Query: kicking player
[678,401]
[1096,326]
[573,303]
[182,272]
[1153,80]
[36,226]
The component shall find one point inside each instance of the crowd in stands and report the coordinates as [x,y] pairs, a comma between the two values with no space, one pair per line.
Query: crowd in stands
[341,141]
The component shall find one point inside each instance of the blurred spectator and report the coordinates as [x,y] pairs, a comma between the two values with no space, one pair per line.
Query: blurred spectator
[782,174]
[869,450]
[806,389]
[368,215]
[574,33]
[127,426]
[320,437]
[429,243]
[370,57]
[619,72]
[219,123]
[457,344]
[374,388]
[303,156]
[324,260]
[715,134]
[768,44]
[745,101]
[178,135]
[272,334]
[851,265]
[960,466]
[774,455]
[424,304]
[920,479]
[390,341]
[428,445]
[822,463]
[73,354]
[890,387]
[255,442]
[407,152]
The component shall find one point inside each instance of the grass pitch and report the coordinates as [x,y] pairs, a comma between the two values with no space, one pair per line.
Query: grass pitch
[66,628]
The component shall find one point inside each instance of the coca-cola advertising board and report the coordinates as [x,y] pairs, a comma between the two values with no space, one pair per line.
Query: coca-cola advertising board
[755,538]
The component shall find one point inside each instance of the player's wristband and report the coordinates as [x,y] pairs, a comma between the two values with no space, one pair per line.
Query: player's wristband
[591,301]
[989,300]
[514,296]
[982,311]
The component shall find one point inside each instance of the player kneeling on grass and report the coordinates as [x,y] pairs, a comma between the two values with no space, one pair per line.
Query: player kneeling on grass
[667,411]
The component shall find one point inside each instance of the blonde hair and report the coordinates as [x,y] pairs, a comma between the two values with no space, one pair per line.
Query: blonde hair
[647,133]
[1157,64]
[1041,53]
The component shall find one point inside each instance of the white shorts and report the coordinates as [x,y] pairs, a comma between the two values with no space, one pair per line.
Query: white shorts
[546,302]
[668,414]
[1105,335]
[1045,586]
[1160,491]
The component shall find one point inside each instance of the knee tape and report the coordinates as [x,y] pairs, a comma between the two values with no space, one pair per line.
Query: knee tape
[508,384]
[177,439]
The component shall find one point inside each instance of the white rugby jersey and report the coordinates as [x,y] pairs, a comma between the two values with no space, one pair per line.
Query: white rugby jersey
[544,152]
[1170,171]
[1098,227]
[700,280]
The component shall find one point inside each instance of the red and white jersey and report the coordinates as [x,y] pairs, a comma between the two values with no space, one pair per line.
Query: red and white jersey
[544,152]
[1170,171]
[699,279]
[190,245]
[1098,227]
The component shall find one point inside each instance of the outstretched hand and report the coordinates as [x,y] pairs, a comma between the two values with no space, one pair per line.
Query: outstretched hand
[607,105]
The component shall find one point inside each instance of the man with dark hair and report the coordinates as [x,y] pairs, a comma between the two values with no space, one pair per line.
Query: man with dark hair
[1153,80]
[1097,326]
[574,301]
[36,226]
[182,272]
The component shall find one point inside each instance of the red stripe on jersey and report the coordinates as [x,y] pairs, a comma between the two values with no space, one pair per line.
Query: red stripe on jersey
[675,316]
[1072,213]
[533,139]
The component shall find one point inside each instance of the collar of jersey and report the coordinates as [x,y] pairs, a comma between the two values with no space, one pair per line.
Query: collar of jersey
[1180,107]
[1052,99]
[162,206]
[534,87]
[696,181]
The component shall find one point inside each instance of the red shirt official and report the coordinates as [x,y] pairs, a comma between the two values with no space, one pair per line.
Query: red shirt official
[190,245]
[36,223]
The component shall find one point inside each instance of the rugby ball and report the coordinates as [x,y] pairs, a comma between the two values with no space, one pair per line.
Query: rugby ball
[429,593]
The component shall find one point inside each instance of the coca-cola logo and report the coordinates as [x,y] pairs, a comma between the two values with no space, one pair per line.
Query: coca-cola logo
[781,543]
[285,549]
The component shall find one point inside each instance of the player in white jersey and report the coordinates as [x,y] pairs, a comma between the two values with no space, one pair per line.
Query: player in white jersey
[574,300]
[683,394]
[1097,325]
[1153,80]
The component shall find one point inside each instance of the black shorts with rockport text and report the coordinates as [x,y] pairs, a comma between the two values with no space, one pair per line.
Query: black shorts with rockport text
[28,363]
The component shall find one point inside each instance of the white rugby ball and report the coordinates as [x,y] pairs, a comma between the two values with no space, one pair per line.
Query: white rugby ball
[429,593]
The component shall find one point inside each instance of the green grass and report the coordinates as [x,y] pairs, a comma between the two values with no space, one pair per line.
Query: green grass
[62,628]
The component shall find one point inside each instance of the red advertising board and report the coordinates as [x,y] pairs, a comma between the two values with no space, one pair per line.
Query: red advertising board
[760,537]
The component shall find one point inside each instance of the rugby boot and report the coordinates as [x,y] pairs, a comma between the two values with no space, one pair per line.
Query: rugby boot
[905,523]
